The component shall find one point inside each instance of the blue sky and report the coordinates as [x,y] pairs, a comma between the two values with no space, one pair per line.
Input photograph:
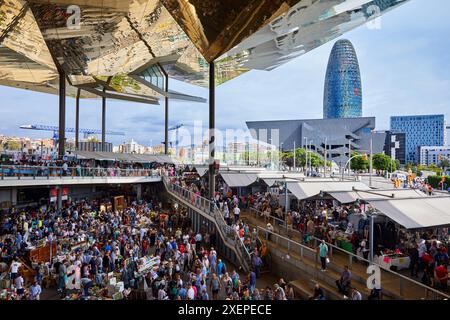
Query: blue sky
[405,69]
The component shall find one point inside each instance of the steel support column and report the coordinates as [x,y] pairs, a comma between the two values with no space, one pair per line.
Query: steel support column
[371,159]
[62,115]
[59,198]
[372,238]
[104,122]
[212,127]
[77,119]
[166,118]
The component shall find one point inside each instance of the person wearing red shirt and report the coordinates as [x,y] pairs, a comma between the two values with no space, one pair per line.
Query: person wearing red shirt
[426,258]
[441,276]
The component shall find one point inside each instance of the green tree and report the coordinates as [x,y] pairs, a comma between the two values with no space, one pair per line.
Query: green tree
[288,158]
[392,165]
[444,164]
[300,157]
[382,162]
[359,163]
[398,164]
[93,139]
[316,160]
[12,145]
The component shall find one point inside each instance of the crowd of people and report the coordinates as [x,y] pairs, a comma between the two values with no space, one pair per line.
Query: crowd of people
[119,240]
[96,242]
[324,221]
[71,166]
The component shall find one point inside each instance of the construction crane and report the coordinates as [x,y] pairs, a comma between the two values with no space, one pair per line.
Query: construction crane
[176,128]
[55,130]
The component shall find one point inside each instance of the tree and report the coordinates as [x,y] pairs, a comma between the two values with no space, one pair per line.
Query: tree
[287,158]
[392,165]
[316,160]
[12,145]
[300,157]
[359,163]
[398,164]
[444,164]
[92,139]
[382,162]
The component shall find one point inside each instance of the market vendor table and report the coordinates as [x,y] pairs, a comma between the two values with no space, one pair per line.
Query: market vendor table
[400,262]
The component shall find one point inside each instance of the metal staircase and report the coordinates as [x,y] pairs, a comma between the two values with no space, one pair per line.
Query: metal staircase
[209,210]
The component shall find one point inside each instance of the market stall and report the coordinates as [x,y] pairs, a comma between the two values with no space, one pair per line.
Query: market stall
[394,261]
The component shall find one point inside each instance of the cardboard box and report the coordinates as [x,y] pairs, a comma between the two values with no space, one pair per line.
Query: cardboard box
[117,296]
[113,281]
[120,286]
[5,284]
[111,290]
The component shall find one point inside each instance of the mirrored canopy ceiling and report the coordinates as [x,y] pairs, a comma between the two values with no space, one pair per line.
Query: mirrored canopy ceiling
[304,27]
[96,39]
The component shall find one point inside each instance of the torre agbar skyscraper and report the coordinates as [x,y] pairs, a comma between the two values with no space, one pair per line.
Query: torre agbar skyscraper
[342,93]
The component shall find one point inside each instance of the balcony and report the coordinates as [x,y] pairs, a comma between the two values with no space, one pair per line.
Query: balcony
[23,176]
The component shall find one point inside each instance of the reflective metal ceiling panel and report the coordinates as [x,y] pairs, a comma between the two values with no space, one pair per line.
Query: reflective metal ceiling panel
[216,26]
[118,37]
[304,27]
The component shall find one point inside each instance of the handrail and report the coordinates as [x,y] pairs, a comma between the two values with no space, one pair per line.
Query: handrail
[213,211]
[20,171]
[352,255]
[287,239]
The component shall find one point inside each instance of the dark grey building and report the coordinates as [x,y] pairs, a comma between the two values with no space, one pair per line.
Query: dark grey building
[391,144]
[336,135]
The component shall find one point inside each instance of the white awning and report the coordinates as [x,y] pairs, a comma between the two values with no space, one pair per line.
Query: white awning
[234,180]
[270,181]
[201,170]
[352,196]
[308,189]
[416,213]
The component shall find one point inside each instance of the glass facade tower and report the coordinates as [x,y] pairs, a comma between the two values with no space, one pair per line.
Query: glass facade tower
[420,130]
[342,94]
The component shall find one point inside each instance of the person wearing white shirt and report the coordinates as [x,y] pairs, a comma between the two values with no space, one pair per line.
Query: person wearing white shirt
[35,291]
[226,213]
[15,265]
[18,283]
[422,248]
[236,212]
[190,293]
[356,295]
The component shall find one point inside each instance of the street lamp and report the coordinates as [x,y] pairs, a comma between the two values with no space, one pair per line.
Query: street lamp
[325,158]
[280,157]
[349,160]
[310,156]
[271,152]
[284,184]
[349,154]
[294,157]
[306,153]
[371,156]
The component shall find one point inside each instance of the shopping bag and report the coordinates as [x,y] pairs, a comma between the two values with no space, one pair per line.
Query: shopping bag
[328,260]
